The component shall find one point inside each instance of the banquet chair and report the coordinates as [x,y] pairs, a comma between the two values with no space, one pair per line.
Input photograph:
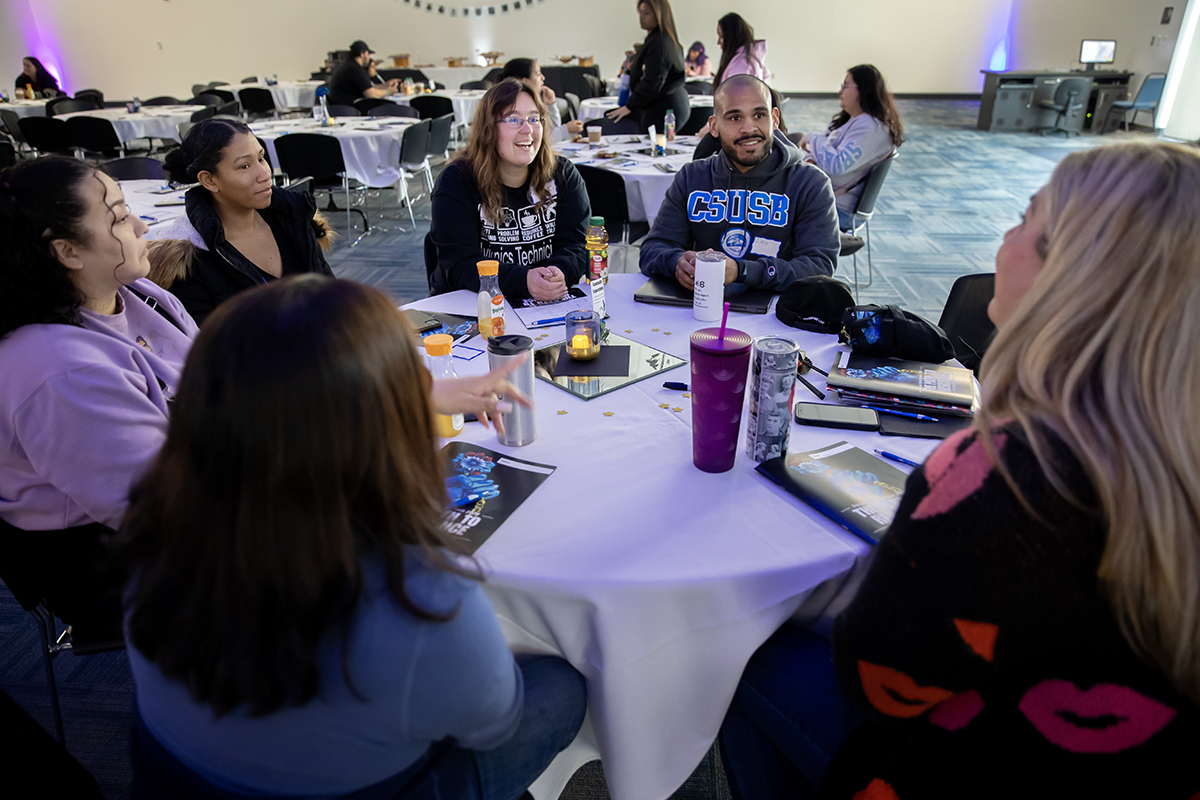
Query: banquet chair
[161,100]
[251,79]
[55,577]
[394,110]
[594,84]
[610,128]
[133,168]
[430,107]
[96,135]
[31,754]
[343,111]
[197,88]
[469,85]
[493,75]
[697,121]
[8,153]
[258,103]
[12,124]
[231,110]
[606,190]
[564,108]
[965,319]
[430,261]
[1146,100]
[414,144]
[366,104]
[95,95]
[439,138]
[572,104]
[65,105]
[225,95]
[863,211]
[202,114]
[319,157]
[48,135]
[205,99]
[698,87]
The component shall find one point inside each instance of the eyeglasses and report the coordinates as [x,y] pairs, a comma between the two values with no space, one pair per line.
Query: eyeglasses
[516,122]
[849,86]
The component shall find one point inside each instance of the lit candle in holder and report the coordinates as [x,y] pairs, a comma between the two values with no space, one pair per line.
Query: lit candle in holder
[584,341]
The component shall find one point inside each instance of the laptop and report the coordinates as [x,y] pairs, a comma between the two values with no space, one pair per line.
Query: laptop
[667,292]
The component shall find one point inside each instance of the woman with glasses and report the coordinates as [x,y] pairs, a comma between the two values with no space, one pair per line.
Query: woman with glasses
[508,198]
[862,134]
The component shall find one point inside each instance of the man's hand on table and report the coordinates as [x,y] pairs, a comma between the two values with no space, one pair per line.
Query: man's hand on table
[546,283]
[479,394]
[685,270]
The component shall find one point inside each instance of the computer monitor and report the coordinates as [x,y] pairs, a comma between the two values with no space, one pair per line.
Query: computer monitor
[1097,51]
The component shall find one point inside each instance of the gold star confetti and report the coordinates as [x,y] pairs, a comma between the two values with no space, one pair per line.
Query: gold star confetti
[654,329]
[666,333]
[687,394]
[629,330]
[664,405]
[608,413]
[677,409]
[560,413]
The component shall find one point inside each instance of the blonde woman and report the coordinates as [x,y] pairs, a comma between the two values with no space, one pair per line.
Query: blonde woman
[507,197]
[1033,616]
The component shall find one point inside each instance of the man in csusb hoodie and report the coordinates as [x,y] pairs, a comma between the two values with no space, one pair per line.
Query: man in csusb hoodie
[757,201]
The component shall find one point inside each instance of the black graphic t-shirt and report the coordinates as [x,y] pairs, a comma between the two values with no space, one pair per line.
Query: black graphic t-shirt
[527,234]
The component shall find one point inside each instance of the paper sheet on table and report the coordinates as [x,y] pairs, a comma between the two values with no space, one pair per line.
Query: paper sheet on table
[530,312]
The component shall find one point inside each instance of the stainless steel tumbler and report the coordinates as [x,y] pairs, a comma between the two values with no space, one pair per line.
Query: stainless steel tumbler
[519,426]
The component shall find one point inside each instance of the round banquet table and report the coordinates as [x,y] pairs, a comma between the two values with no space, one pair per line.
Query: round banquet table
[159,122]
[645,184]
[286,94]
[25,108]
[655,580]
[596,107]
[465,102]
[154,207]
[370,146]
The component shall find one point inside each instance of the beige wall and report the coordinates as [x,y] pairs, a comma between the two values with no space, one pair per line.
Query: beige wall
[149,47]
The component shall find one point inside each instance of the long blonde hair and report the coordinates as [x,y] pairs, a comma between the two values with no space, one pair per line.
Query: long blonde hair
[1104,351]
[482,154]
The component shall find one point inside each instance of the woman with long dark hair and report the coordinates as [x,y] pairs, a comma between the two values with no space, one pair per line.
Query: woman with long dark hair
[1030,621]
[741,53]
[699,65]
[35,77]
[296,623]
[508,198]
[657,73]
[862,134]
[91,353]
[239,229]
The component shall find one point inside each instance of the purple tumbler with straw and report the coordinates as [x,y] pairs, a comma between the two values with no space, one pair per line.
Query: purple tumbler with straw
[720,364]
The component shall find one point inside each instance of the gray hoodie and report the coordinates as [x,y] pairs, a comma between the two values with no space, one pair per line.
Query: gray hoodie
[777,220]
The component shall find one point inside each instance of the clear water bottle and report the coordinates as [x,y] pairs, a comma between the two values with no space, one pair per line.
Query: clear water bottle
[669,124]
[623,94]
[137,105]
[490,302]
[596,242]
[441,366]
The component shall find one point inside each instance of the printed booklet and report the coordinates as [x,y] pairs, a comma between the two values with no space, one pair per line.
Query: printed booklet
[913,385]
[485,488]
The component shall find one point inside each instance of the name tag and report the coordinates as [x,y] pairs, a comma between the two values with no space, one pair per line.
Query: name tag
[764,247]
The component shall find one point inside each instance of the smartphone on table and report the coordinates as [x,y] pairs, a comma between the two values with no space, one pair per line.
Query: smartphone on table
[825,415]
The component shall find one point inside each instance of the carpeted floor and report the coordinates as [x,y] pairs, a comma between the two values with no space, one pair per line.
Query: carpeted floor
[951,194]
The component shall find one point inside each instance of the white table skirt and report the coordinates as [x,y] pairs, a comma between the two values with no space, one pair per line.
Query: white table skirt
[464,103]
[655,580]
[286,94]
[371,148]
[160,122]
[596,107]
[26,108]
[645,184]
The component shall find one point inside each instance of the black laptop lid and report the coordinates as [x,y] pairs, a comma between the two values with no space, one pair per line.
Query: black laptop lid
[667,292]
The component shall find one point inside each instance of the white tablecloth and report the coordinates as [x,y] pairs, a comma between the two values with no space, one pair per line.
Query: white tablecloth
[141,201]
[465,103]
[453,77]
[655,580]
[645,184]
[26,108]
[160,122]
[370,147]
[596,107]
[286,94]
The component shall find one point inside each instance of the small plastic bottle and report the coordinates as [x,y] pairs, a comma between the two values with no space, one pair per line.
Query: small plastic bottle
[669,124]
[137,105]
[441,366]
[490,303]
[596,242]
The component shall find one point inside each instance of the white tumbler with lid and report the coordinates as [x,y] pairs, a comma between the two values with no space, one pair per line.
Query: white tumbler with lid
[708,298]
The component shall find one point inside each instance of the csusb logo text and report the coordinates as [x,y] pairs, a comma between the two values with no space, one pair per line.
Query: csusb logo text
[738,206]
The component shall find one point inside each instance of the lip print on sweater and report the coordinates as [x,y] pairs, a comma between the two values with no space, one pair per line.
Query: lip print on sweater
[949,487]
[877,789]
[896,694]
[958,711]
[1107,718]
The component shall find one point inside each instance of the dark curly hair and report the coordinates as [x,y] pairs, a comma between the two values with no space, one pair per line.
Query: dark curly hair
[201,149]
[40,201]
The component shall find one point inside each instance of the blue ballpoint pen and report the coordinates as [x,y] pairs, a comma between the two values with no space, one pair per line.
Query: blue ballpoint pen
[908,414]
[896,458]
[466,501]
[552,321]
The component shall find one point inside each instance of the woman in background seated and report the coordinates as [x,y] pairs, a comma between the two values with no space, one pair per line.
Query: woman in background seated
[239,230]
[657,73]
[35,77]
[91,354]
[862,134]
[507,197]
[295,624]
[528,72]
[1030,620]
[741,53]
[698,65]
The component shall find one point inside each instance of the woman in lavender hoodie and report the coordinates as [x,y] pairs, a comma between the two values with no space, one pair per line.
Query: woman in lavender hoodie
[741,53]
[91,353]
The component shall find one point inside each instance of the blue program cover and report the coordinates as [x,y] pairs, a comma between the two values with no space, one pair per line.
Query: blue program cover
[485,487]
[850,486]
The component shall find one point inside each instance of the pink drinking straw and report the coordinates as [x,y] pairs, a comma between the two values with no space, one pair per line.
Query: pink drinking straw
[724,317]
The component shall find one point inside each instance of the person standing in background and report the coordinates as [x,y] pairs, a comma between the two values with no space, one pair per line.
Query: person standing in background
[657,74]
[741,53]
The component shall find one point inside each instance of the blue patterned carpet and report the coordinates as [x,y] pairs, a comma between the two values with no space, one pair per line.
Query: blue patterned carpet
[948,199]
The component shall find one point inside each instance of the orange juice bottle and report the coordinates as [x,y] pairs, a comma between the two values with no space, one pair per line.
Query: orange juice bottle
[490,303]
[441,365]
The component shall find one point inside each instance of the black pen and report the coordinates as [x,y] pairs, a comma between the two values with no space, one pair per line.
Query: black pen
[679,387]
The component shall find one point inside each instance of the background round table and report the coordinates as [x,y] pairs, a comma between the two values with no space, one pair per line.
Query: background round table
[596,107]
[159,122]
[286,94]
[645,184]
[465,102]
[25,108]
[370,147]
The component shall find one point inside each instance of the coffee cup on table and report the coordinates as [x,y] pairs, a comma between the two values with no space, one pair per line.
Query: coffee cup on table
[594,133]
